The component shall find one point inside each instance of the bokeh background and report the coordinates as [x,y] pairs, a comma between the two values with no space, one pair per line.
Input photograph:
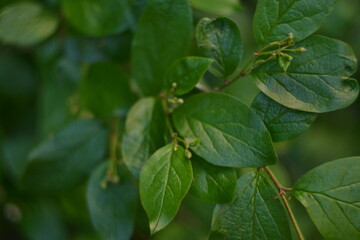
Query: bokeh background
[38,95]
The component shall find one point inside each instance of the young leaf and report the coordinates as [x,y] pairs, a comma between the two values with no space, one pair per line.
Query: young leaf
[164,182]
[254,214]
[97,17]
[220,39]
[145,132]
[105,90]
[283,123]
[163,35]
[212,183]
[331,195]
[221,7]
[231,134]
[316,81]
[66,158]
[185,73]
[26,23]
[275,19]
[284,62]
[112,209]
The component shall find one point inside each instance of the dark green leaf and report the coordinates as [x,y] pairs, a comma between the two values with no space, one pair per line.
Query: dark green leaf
[212,183]
[163,35]
[145,132]
[186,73]
[231,135]
[283,123]
[316,81]
[112,209]
[220,39]
[164,182]
[275,19]
[66,158]
[105,90]
[254,214]
[222,7]
[331,195]
[26,23]
[97,17]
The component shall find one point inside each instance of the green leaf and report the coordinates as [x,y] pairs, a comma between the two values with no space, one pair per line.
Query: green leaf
[220,39]
[275,19]
[220,7]
[162,36]
[254,214]
[145,132]
[331,195]
[212,183]
[316,81]
[97,17]
[164,182]
[231,134]
[284,62]
[186,73]
[66,158]
[283,123]
[105,90]
[26,23]
[112,209]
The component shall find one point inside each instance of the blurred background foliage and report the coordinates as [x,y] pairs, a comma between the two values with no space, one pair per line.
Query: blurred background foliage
[42,65]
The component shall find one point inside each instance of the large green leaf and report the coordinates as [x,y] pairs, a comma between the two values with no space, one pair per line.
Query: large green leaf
[316,81]
[221,7]
[113,208]
[66,158]
[331,195]
[220,39]
[26,23]
[97,17]
[186,73]
[283,123]
[163,35]
[105,90]
[231,134]
[164,182]
[145,132]
[212,183]
[254,214]
[275,19]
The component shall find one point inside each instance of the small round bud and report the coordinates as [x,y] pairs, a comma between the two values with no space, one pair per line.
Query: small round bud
[302,49]
[291,36]
[174,84]
[180,100]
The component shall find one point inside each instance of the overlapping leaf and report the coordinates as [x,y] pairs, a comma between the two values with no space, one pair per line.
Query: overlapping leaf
[145,132]
[254,214]
[212,183]
[283,123]
[331,195]
[164,182]
[113,208]
[162,36]
[231,134]
[220,39]
[316,81]
[275,19]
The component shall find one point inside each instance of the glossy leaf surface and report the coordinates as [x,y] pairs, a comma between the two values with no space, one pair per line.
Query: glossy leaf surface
[316,81]
[331,195]
[283,123]
[231,134]
[26,23]
[212,183]
[275,19]
[66,158]
[162,36]
[145,132]
[112,209]
[254,214]
[220,39]
[164,182]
